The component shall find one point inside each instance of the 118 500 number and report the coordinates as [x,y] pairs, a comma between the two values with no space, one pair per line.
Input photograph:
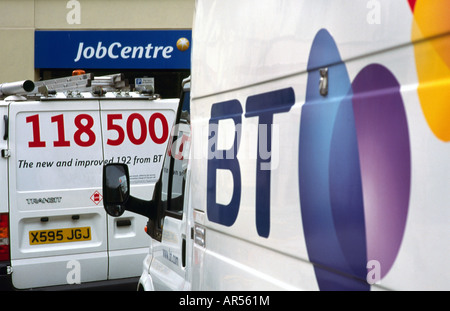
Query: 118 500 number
[84,136]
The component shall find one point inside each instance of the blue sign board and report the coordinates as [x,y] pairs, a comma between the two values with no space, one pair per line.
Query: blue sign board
[113,49]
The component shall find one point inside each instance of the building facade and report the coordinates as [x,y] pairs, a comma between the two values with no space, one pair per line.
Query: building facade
[45,39]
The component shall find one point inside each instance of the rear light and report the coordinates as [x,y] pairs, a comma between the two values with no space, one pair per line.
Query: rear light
[4,237]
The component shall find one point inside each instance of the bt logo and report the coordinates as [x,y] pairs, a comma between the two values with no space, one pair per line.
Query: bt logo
[263,106]
[354,166]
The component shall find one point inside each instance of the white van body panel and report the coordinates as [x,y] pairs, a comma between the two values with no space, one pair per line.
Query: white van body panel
[278,37]
[320,141]
[273,50]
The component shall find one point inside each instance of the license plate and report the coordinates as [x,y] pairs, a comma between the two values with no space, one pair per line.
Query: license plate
[60,235]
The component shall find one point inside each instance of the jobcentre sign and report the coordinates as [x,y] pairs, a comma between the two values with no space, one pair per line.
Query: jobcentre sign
[113,49]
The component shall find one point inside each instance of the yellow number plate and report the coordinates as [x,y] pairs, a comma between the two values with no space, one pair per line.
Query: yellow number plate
[60,235]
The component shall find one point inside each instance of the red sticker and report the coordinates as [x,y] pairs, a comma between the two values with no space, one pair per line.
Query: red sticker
[96,197]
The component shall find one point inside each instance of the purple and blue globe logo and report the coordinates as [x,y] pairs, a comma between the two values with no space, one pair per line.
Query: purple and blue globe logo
[354,169]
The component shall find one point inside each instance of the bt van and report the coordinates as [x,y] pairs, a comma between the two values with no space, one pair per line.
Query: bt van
[315,155]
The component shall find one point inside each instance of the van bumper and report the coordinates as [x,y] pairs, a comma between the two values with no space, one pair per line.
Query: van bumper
[127,284]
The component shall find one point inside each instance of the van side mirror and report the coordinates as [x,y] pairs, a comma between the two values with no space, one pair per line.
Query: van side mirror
[116,188]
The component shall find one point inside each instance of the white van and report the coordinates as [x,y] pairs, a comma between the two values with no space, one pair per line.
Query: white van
[54,233]
[319,151]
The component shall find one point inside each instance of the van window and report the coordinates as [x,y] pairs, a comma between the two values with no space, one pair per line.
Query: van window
[173,177]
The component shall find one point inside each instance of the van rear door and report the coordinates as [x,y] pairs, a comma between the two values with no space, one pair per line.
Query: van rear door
[137,135]
[58,232]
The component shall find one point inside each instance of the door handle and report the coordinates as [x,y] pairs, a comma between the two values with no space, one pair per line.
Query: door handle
[183,252]
[123,223]
[5,136]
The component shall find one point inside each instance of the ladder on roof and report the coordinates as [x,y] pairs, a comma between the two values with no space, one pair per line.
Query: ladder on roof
[81,83]
[76,83]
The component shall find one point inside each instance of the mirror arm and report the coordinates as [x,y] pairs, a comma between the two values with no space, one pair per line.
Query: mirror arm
[141,207]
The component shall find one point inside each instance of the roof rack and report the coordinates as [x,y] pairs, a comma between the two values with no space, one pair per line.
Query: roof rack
[75,83]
